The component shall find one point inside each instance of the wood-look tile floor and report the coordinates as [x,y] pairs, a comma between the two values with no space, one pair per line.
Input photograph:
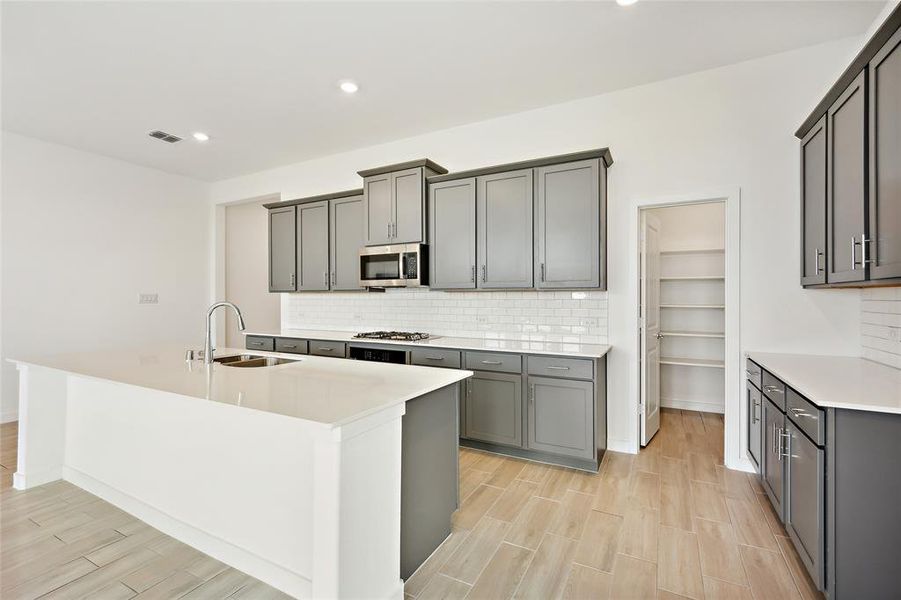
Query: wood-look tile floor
[58,541]
[670,522]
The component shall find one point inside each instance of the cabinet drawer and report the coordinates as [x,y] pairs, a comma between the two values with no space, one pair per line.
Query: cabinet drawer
[809,419]
[435,358]
[319,348]
[569,368]
[291,346]
[256,342]
[774,389]
[753,372]
[494,361]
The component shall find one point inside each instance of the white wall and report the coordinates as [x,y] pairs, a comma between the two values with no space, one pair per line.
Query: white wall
[83,235]
[880,325]
[692,226]
[728,127]
[246,275]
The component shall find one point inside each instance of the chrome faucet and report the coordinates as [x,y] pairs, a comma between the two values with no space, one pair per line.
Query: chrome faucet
[208,343]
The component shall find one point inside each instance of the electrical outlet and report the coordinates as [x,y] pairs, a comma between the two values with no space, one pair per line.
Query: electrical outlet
[894,334]
[587,322]
[148,298]
[481,319]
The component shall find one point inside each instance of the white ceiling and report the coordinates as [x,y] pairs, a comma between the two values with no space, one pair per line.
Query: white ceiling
[261,77]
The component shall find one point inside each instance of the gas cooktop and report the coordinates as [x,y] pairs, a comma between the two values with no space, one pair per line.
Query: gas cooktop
[401,336]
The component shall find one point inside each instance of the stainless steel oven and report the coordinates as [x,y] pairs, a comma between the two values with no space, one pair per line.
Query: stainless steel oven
[397,265]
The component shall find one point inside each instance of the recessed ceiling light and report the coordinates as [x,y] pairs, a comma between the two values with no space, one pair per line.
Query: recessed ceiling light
[348,87]
[626,2]
[201,137]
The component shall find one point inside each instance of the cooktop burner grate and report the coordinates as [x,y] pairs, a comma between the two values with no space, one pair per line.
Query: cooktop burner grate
[403,336]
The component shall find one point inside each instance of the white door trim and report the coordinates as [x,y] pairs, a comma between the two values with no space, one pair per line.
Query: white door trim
[735,417]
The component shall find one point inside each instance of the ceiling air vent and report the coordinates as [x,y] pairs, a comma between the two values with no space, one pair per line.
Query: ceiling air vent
[166,137]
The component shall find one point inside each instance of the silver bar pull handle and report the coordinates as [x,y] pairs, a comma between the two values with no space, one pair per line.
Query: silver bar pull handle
[484,274]
[492,362]
[333,278]
[853,253]
[864,261]
[388,230]
[816,261]
[785,444]
[472,276]
[772,389]
[434,358]
[326,349]
[755,412]
[542,271]
[800,412]
[556,368]
[532,394]
[292,280]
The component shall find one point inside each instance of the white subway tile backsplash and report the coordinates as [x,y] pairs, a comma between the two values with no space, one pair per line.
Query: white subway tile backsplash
[554,316]
[880,325]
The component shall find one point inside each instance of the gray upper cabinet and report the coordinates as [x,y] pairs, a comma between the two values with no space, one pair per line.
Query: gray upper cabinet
[408,194]
[313,246]
[846,184]
[378,209]
[813,205]
[394,202]
[452,231]
[568,225]
[282,253]
[560,416]
[885,160]
[492,409]
[346,237]
[504,231]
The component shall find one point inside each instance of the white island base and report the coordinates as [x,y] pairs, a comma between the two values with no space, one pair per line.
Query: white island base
[308,507]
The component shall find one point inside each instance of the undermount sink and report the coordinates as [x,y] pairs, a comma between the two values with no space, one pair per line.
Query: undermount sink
[251,360]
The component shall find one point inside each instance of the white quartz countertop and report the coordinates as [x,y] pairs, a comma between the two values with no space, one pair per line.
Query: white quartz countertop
[837,381]
[331,391]
[488,345]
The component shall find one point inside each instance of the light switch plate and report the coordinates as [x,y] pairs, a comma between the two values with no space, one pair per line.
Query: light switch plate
[148,298]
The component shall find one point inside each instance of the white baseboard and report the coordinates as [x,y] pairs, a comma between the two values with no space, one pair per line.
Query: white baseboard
[275,575]
[9,416]
[24,481]
[621,446]
[743,464]
[711,407]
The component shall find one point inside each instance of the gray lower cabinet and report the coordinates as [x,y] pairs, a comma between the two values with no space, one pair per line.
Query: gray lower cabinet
[493,408]
[805,511]
[313,246]
[885,161]
[568,225]
[328,348]
[813,205]
[452,232]
[846,185]
[754,412]
[258,342]
[773,471]
[292,346]
[504,229]
[561,416]
[282,249]
[346,237]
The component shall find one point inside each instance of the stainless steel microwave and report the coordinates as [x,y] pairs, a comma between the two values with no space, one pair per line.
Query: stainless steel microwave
[396,265]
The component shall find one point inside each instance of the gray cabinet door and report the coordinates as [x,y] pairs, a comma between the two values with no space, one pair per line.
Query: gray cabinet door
[804,500]
[312,246]
[408,195]
[845,183]
[773,467]
[813,205]
[754,409]
[567,225]
[493,408]
[378,209]
[504,230]
[346,238]
[282,249]
[885,160]
[560,416]
[452,234]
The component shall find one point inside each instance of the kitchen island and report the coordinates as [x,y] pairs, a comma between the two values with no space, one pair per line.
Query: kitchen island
[292,473]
